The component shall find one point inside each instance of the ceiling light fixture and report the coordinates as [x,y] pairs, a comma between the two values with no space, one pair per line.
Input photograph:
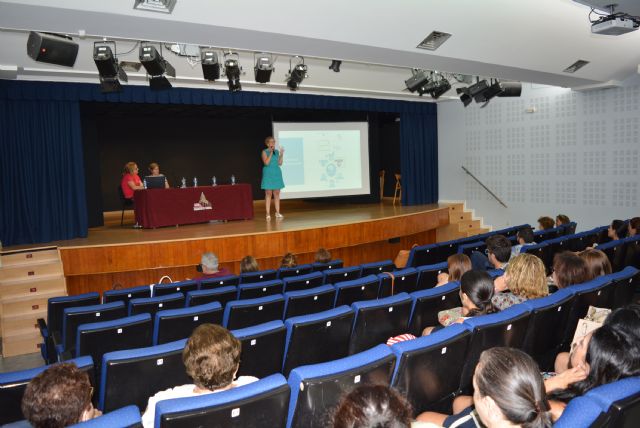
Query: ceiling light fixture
[297,73]
[335,65]
[107,63]
[232,70]
[163,6]
[263,67]
[210,64]
[156,66]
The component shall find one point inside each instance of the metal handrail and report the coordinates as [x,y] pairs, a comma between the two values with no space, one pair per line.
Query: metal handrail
[485,187]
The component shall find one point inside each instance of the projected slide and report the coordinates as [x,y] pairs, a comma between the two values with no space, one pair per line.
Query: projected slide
[324,159]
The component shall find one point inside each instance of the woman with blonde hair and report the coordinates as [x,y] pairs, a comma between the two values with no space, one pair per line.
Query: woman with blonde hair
[130,180]
[525,279]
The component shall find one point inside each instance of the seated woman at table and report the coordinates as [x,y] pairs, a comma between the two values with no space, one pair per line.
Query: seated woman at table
[130,180]
[154,171]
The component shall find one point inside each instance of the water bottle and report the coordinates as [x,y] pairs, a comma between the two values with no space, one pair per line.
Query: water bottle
[195,181]
[144,183]
[184,183]
[214,181]
[233,179]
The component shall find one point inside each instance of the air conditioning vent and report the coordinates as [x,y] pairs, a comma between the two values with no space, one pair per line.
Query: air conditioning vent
[163,6]
[434,40]
[576,66]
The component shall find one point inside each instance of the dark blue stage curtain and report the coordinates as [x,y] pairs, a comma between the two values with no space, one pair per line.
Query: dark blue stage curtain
[41,172]
[419,157]
[42,179]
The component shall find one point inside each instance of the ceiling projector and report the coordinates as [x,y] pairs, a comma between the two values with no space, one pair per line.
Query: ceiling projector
[614,26]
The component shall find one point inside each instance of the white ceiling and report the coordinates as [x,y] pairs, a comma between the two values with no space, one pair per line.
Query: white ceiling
[526,40]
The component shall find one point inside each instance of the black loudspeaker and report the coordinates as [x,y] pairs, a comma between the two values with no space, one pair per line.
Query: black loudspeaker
[52,49]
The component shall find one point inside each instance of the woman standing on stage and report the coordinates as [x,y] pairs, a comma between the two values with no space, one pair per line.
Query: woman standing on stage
[272,175]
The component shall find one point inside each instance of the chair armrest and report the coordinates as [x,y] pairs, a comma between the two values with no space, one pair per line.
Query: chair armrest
[42,325]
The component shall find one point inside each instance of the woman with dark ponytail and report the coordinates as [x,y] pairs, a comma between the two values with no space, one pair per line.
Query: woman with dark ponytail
[476,292]
[508,391]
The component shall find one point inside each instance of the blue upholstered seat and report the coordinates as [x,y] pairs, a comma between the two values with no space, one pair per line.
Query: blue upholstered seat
[222,295]
[303,282]
[400,281]
[262,348]
[175,287]
[260,289]
[304,302]
[427,304]
[126,294]
[174,324]
[128,416]
[365,288]
[245,313]
[152,305]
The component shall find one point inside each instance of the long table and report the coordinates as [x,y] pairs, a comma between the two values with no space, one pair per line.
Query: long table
[172,207]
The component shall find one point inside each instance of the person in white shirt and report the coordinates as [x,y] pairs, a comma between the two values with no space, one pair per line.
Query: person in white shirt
[212,358]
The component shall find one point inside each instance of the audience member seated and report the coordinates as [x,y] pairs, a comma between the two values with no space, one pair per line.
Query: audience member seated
[210,268]
[58,397]
[568,269]
[562,219]
[375,406]
[249,264]
[289,261]
[617,230]
[476,292]
[634,225]
[457,265]
[508,391]
[608,354]
[524,237]
[597,263]
[322,256]
[211,358]
[524,279]
[498,254]
[154,171]
[545,223]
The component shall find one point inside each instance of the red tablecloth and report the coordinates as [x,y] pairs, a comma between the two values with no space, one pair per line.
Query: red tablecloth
[170,207]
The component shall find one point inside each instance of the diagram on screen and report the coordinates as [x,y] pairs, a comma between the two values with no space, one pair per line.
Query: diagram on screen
[333,167]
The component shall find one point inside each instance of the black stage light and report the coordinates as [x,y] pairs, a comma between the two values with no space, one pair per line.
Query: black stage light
[511,89]
[464,96]
[156,67]
[210,64]
[335,65]
[297,73]
[232,71]
[110,72]
[476,90]
[263,68]
[494,89]
[419,79]
[442,86]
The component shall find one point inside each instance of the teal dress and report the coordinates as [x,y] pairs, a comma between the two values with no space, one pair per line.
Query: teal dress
[272,174]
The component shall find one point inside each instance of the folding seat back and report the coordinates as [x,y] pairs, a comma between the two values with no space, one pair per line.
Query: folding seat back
[258,404]
[431,254]
[540,251]
[543,235]
[377,320]
[305,302]
[222,295]
[596,292]
[128,416]
[625,284]
[469,248]
[317,338]
[544,335]
[73,317]
[174,324]
[294,271]
[96,339]
[427,304]
[620,400]
[262,275]
[174,287]
[132,376]
[245,313]
[400,281]
[222,281]
[615,251]
[260,289]
[513,230]
[13,384]
[553,247]
[126,294]
[505,328]
[428,368]
[152,305]
[377,267]
[365,288]
[428,275]
[316,389]
[581,412]
[580,241]
[333,264]
[632,252]
[332,276]
[303,282]
[262,349]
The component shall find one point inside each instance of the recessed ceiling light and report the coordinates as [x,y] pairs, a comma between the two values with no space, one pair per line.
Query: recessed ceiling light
[434,40]
[576,66]
[164,6]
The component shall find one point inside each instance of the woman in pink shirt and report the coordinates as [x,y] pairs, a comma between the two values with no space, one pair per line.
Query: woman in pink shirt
[130,180]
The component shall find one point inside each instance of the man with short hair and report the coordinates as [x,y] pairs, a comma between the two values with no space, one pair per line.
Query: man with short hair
[497,254]
[210,268]
[524,237]
[58,397]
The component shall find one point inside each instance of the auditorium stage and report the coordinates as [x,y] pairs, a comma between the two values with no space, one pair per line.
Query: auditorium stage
[356,233]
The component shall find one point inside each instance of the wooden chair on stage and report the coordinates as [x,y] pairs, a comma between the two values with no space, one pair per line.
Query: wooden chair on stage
[397,193]
[381,183]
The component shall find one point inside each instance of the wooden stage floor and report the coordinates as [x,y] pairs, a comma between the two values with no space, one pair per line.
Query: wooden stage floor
[356,233]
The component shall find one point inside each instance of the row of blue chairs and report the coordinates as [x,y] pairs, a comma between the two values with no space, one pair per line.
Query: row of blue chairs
[430,370]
